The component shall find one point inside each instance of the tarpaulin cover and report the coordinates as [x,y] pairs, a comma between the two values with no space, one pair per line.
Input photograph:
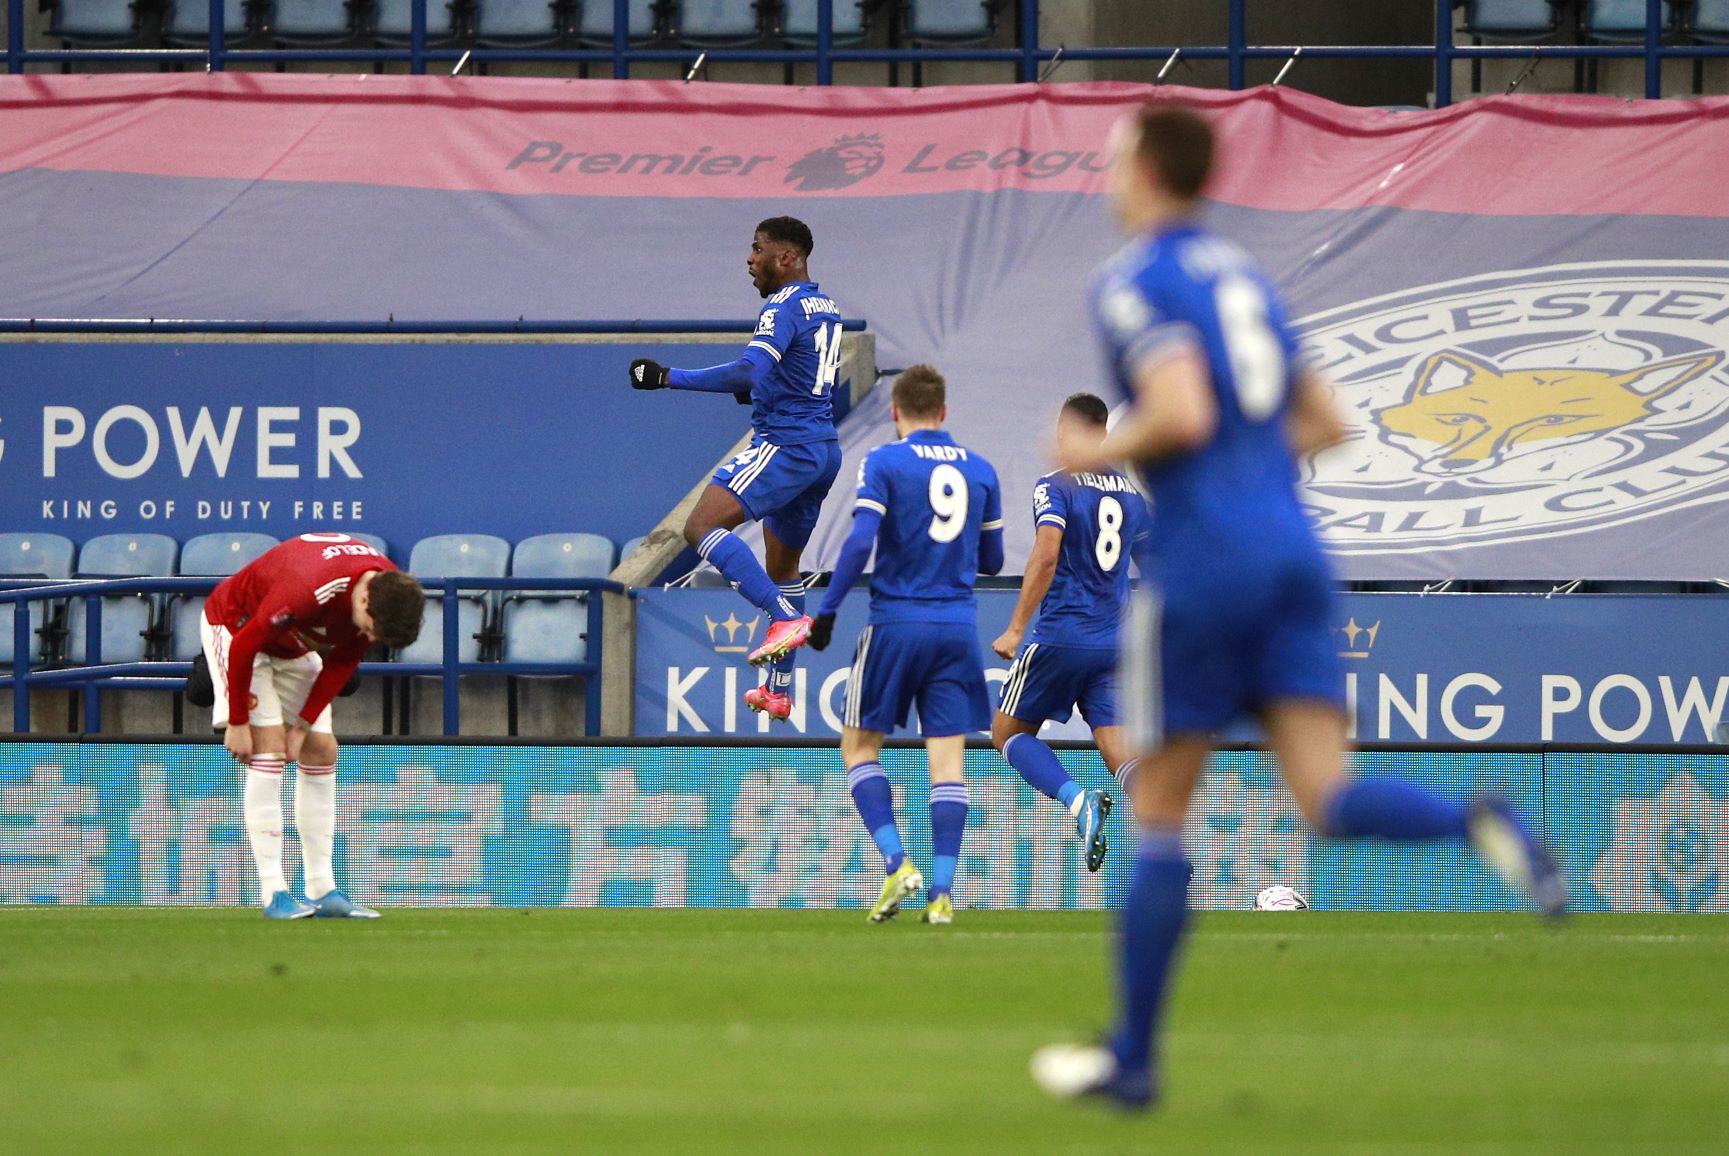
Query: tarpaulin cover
[1523,300]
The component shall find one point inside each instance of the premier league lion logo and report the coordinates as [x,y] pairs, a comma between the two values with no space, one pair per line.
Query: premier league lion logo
[846,162]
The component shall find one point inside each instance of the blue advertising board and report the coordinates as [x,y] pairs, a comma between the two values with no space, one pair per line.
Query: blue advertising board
[1503,668]
[400,438]
[746,825]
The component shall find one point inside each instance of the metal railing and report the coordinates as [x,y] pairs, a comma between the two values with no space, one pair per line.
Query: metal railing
[95,676]
[1029,57]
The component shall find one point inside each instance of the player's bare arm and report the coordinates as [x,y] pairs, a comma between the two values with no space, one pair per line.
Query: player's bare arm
[1035,584]
[1174,413]
[1314,423]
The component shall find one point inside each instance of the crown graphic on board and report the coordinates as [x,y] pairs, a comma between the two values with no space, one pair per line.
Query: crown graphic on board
[731,625]
[1357,640]
[870,138]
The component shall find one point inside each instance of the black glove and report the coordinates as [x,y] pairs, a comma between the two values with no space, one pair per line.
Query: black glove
[821,631]
[646,374]
[742,397]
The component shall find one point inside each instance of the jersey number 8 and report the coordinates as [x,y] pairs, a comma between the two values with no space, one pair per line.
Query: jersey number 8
[1109,548]
[948,503]
[1257,358]
[827,338]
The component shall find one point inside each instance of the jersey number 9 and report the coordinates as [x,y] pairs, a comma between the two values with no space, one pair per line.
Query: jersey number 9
[827,338]
[948,503]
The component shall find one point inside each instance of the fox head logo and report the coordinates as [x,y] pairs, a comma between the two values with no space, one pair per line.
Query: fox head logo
[1465,414]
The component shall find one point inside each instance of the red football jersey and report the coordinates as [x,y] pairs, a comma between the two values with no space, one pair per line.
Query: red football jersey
[294,599]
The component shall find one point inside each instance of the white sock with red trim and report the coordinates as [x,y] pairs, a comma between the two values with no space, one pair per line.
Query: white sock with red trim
[263,810]
[315,820]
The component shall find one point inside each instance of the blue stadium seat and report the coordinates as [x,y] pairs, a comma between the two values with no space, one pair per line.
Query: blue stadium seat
[950,21]
[629,547]
[207,555]
[519,23]
[1709,21]
[1511,21]
[372,540]
[94,23]
[1622,21]
[549,626]
[30,556]
[719,23]
[188,22]
[799,21]
[313,22]
[393,21]
[595,21]
[126,618]
[455,556]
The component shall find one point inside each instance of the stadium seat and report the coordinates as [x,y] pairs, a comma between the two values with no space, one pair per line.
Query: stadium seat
[719,23]
[950,21]
[629,547]
[1622,21]
[393,21]
[550,626]
[519,23]
[94,23]
[1511,21]
[313,22]
[208,555]
[30,556]
[372,540]
[127,619]
[455,556]
[799,21]
[595,21]
[188,22]
[1709,21]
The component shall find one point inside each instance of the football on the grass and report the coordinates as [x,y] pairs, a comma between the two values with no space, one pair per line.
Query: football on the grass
[1280,898]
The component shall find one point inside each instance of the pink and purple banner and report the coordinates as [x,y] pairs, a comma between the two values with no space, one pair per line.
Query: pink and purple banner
[1524,300]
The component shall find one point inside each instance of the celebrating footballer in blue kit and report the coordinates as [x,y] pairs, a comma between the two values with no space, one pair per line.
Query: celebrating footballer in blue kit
[787,376]
[932,510]
[1236,614]
[1077,579]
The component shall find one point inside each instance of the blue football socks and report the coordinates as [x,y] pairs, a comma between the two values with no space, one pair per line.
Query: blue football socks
[1041,768]
[780,676]
[1392,809]
[948,824]
[727,553]
[1152,930]
[875,801]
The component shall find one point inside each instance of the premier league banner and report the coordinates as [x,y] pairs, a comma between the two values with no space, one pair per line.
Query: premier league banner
[1471,668]
[744,825]
[1523,299]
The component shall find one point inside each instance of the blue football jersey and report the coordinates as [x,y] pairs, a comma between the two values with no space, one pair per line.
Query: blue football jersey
[1101,516]
[1184,288]
[936,498]
[800,328]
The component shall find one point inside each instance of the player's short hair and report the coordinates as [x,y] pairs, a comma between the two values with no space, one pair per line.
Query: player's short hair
[788,231]
[1177,145]
[396,602]
[1088,407]
[920,391]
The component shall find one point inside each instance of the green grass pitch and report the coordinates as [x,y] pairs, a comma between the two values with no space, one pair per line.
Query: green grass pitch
[134,1031]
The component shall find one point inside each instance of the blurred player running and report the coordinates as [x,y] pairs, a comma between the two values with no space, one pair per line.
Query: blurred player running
[1200,346]
[787,375]
[1077,579]
[282,636]
[933,511]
